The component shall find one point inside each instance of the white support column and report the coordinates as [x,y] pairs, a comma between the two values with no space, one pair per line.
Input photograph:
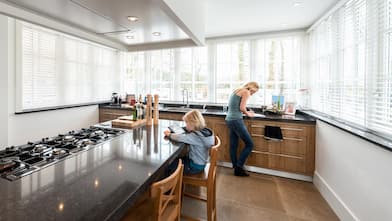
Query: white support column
[212,71]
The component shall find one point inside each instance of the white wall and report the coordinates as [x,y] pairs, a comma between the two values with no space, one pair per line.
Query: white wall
[3,83]
[34,126]
[18,129]
[353,175]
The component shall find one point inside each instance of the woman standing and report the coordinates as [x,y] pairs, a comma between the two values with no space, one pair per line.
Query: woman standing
[237,128]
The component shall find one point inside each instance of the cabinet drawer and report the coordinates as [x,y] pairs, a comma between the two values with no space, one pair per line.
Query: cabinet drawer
[263,145]
[289,164]
[257,129]
[293,147]
[111,114]
[257,159]
[293,131]
[170,116]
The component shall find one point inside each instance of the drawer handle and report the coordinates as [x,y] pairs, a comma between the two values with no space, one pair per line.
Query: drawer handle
[289,138]
[260,152]
[278,154]
[256,126]
[289,128]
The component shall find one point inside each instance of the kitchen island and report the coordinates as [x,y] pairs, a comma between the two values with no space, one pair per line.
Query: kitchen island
[101,183]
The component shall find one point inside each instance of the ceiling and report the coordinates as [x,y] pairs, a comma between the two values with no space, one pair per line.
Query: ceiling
[108,18]
[234,17]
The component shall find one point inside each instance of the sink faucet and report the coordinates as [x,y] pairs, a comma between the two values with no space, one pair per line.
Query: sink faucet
[185,92]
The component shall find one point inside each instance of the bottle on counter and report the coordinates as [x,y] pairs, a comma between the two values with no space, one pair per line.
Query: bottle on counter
[134,114]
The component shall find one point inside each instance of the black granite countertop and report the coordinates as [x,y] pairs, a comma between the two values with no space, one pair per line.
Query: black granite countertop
[217,110]
[98,184]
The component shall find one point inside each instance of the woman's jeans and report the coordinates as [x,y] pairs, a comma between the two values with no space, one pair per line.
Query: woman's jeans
[238,130]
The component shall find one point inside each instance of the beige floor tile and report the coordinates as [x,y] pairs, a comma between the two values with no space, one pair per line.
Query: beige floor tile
[302,200]
[254,191]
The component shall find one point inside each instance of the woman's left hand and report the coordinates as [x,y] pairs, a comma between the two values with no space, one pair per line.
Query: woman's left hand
[250,113]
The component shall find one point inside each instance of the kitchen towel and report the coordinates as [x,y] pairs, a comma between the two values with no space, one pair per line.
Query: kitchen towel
[273,133]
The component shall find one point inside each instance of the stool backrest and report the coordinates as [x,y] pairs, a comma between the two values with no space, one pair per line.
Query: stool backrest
[213,160]
[168,191]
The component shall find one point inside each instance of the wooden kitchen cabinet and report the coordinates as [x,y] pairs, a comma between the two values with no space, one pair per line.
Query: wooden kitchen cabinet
[218,125]
[171,116]
[295,153]
[106,114]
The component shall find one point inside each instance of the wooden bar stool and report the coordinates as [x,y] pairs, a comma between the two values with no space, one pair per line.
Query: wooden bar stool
[164,203]
[206,179]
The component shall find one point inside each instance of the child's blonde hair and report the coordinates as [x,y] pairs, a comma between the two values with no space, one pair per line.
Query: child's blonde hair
[196,119]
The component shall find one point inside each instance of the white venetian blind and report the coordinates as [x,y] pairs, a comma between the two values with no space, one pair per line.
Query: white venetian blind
[39,78]
[379,116]
[57,69]
[351,64]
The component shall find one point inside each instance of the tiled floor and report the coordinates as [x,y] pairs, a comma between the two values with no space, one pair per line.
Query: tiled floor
[263,197]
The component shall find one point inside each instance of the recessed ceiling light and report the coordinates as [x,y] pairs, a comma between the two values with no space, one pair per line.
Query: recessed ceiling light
[296,4]
[284,24]
[156,33]
[132,18]
[130,37]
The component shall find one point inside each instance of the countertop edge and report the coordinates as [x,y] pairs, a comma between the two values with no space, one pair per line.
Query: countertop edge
[306,119]
[355,130]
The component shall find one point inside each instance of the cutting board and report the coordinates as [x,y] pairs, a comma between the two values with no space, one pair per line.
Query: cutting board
[126,122]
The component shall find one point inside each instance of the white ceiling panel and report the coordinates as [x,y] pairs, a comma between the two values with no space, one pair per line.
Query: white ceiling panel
[234,17]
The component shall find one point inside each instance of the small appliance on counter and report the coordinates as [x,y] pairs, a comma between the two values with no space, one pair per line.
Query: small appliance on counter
[116,99]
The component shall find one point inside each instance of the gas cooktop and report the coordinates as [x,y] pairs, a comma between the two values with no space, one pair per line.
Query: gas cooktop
[19,161]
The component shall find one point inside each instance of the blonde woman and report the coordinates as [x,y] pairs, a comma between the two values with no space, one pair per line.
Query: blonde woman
[234,120]
[198,137]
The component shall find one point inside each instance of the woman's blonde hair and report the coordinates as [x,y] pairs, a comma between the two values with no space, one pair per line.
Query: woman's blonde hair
[250,85]
[196,119]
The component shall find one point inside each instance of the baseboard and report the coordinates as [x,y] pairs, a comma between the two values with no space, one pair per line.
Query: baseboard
[337,204]
[272,172]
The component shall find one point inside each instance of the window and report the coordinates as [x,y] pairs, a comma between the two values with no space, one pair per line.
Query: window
[351,62]
[193,74]
[277,68]
[162,73]
[232,67]
[58,69]
[211,73]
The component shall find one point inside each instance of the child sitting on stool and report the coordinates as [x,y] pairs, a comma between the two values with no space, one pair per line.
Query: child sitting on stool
[199,138]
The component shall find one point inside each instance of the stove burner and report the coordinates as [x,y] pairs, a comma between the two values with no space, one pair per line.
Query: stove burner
[84,142]
[40,148]
[34,160]
[59,152]
[7,163]
[8,160]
